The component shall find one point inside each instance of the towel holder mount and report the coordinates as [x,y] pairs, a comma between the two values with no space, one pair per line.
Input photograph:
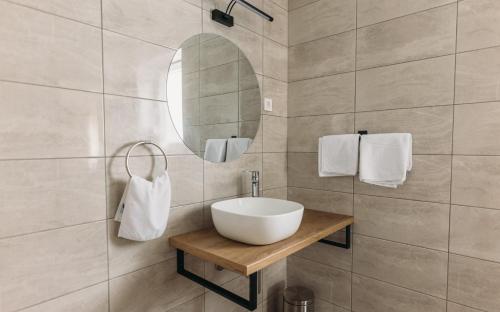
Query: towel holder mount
[144,143]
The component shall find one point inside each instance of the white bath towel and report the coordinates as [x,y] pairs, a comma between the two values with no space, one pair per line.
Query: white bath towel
[236,147]
[215,150]
[338,155]
[144,208]
[385,159]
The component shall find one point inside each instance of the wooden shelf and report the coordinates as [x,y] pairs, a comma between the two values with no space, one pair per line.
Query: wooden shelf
[247,259]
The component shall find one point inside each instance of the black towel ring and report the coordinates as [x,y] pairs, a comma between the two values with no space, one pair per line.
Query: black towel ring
[144,143]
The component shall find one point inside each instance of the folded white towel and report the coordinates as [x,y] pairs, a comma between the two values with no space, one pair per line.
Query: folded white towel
[338,155]
[144,208]
[215,150]
[385,158]
[236,147]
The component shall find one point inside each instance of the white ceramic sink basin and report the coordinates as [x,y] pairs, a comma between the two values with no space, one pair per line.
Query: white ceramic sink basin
[257,220]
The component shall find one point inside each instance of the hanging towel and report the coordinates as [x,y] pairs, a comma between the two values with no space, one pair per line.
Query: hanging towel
[338,155]
[144,208]
[385,158]
[215,150]
[236,147]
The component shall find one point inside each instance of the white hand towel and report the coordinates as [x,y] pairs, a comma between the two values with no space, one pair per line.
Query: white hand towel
[236,147]
[338,155]
[144,208]
[215,150]
[385,158]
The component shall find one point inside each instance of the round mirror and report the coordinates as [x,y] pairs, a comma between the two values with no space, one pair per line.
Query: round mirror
[214,98]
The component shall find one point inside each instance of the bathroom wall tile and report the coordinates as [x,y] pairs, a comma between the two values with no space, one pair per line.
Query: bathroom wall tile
[416,268]
[421,35]
[45,49]
[250,105]
[431,127]
[47,194]
[453,307]
[275,134]
[371,12]
[216,303]
[186,175]
[474,232]
[93,298]
[275,304]
[212,272]
[155,288]
[369,295]
[278,193]
[274,279]
[275,60]
[135,68]
[328,56]
[61,257]
[195,305]
[321,19]
[221,108]
[219,80]
[191,85]
[478,75]
[476,180]
[166,23]
[327,283]
[274,170]
[295,4]
[474,282]
[41,122]
[429,180]
[217,51]
[327,201]
[242,16]
[126,256]
[478,24]
[276,30]
[421,83]
[413,222]
[278,92]
[248,129]
[304,132]
[303,172]
[319,96]
[282,3]
[475,129]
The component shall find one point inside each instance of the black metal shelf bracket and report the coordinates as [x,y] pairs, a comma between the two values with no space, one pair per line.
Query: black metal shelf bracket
[346,245]
[249,304]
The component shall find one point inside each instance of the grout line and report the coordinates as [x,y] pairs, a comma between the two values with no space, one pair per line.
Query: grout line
[304,5]
[404,62]
[401,243]
[322,37]
[354,129]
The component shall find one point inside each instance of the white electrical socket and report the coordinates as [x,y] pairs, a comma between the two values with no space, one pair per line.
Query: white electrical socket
[268,104]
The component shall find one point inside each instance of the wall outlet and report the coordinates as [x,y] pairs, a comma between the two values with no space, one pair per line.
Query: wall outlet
[268,104]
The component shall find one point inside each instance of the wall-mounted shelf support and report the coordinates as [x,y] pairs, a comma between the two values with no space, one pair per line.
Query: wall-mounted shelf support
[250,304]
[346,245]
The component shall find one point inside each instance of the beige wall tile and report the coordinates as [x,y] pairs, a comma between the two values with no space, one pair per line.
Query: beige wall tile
[475,129]
[326,95]
[274,170]
[275,134]
[416,268]
[323,57]
[321,19]
[278,193]
[369,295]
[250,105]
[274,279]
[278,92]
[275,60]
[47,194]
[421,35]
[45,49]
[474,232]
[431,127]
[219,108]
[242,16]
[335,202]
[216,303]
[166,23]
[281,3]
[453,307]
[478,24]
[61,257]
[413,222]
[474,282]
[295,4]
[195,305]
[304,132]
[476,180]
[429,180]
[219,80]
[276,30]
[414,84]
[41,122]
[216,51]
[478,76]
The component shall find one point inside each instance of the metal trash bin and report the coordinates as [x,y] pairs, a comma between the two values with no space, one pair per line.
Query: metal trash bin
[298,299]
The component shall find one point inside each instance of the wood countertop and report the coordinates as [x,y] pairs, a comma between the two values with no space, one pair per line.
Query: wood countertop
[247,259]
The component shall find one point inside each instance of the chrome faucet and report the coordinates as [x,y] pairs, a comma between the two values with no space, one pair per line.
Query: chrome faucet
[255,183]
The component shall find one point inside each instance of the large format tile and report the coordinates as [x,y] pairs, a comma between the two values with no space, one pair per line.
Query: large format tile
[274,134]
[218,109]
[215,302]
[476,180]
[321,19]
[474,283]
[453,307]
[414,84]
[431,127]
[274,279]
[278,92]
[47,194]
[327,201]
[325,95]
[478,24]
[323,57]
[45,49]
[275,60]
[42,122]
[416,268]
[166,23]
[369,295]
[45,265]
[421,35]
[242,16]
[475,129]
[274,169]
[295,4]
[195,305]
[219,80]
[407,221]
[276,30]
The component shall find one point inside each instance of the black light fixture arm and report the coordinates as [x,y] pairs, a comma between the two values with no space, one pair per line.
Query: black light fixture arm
[225,18]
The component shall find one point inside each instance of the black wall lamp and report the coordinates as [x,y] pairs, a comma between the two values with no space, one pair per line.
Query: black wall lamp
[226,19]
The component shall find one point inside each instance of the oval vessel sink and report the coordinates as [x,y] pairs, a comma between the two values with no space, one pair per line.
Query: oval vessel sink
[257,220]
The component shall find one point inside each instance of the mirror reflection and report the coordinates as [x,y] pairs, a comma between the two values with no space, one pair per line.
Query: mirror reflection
[214,98]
